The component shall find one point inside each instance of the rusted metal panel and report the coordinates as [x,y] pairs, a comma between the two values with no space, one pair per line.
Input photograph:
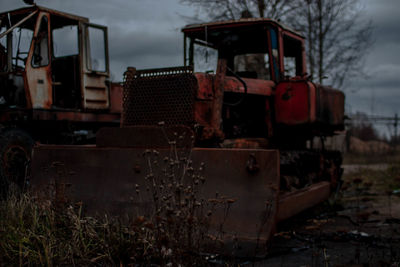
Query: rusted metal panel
[7,115]
[76,116]
[206,90]
[295,202]
[203,112]
[251,177]
[106,179]
[232,84]
[116,94]
[39,78]
[253,143]
[254,86]
[206,94]
[301,102]
[219,87]
[295,103]
[330,106]
[39,83]
[96,95]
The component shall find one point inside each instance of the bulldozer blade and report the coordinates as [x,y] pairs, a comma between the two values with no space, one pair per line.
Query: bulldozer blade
[295,202]
[241,186]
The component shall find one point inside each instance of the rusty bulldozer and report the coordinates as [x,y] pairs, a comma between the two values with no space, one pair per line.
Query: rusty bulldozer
[242,110]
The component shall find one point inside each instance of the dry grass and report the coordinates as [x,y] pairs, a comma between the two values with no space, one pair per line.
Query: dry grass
[36,232]
[380,181]
[371,158]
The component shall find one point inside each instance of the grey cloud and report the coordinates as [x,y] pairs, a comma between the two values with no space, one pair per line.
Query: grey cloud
[373,102]
[141,42]
[385,16]
[385,80]
[145,55]
[382,54]
[142,49]
[387,31]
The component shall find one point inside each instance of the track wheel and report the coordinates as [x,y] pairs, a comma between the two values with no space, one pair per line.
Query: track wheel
[15,154]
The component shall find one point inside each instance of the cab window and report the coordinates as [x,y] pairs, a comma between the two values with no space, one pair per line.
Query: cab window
[96,49]
[253,65]
[292,57]
[65,41]
[41,51]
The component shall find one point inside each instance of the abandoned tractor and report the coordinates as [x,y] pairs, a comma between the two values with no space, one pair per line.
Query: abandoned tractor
[244,112]
[54,85]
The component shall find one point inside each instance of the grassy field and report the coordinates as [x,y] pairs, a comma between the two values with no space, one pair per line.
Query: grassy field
[373,158]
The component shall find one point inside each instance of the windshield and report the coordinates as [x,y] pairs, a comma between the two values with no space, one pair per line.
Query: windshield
[15,45]
[21,41]
[245,49]
[205,59]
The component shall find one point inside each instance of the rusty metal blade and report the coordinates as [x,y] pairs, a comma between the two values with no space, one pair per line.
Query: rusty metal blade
[295,202]
[106,180]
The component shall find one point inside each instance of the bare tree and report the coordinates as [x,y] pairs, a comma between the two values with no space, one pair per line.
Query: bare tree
[337,38]
[233,9]
[337,35]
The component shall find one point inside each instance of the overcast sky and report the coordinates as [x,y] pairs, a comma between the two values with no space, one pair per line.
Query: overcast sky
[146,34]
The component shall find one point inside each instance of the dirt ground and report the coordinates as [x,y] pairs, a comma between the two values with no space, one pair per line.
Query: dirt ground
[361,227]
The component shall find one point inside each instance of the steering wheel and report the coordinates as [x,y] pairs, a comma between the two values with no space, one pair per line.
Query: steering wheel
[244,85]
[17,58]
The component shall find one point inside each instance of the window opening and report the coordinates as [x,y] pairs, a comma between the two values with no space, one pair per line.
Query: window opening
[292,57]
[205,59]
[252,66]
[96,49]
[41,50]
[21,41]
[65,41]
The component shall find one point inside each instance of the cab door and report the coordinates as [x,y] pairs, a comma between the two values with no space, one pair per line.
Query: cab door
[95,67]
[38,65]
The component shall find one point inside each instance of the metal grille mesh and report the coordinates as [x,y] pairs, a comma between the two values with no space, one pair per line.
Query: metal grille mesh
[159,95]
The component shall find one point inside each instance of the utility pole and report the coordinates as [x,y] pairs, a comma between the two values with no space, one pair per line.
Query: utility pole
[395,124]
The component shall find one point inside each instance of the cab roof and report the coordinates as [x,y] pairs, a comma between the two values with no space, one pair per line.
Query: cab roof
[21,12]
[59,19]
[193,28]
